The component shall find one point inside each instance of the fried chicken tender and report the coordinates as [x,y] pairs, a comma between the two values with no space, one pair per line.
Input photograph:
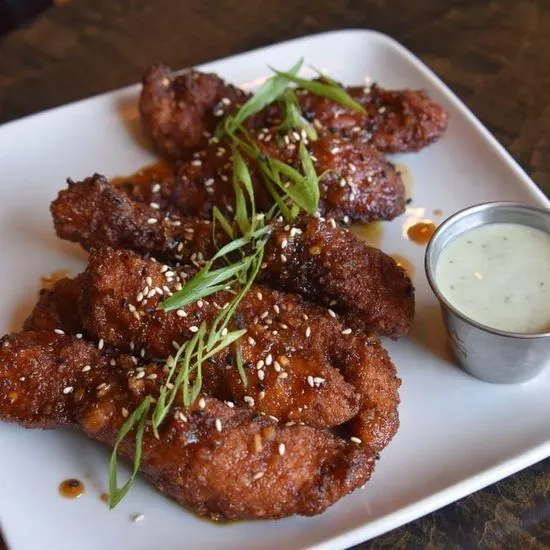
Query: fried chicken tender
[181,111]
[396,121]
[326,263]
[295,355]
[217,461]
[110,282]
[357,183]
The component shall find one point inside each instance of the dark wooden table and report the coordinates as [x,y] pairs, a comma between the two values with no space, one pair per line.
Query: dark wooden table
[495,55]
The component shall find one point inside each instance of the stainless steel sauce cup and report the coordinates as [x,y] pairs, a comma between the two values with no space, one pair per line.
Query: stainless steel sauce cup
[487,353]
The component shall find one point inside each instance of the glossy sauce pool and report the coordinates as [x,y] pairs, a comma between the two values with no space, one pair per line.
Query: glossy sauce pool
[499,275]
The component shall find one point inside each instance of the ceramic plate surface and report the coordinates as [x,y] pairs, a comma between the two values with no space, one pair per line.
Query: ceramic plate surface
[457,433]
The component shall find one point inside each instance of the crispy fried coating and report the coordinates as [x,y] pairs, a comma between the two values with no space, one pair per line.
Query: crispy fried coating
[329,265]
[295,355]
[357,183]
[217,461]
[396,121]
[94,214]
[181,111]
[326,263]
[56,308]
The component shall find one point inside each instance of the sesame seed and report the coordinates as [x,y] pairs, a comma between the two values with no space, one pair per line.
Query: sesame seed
[100,344]
[194,328]
[202,403]
[181,313]
[346,331]
[159,291]
[276,309]
[282,449]
[132,308]
[86,368]
[230,404]
[196,162]
[284,243]
[156,188]
[125,412]
[308,332]
[58,331]
[78,335]
[151,293]
[355,440]
[154,205]
[277,367]
[224,332]
[269,359]
[181,417]
[68,390]
[251,341]
[200,303]
[152,221]
[139,297]
[112,362]
[258,475]
[260,364]
[140,375]
[152,376]
[335,150]
[249,400]
[317,380]
[283,375]
[261,375]
[331,313]
[283,258]
[218,425]
[343,182]
[310,380]
[138,517]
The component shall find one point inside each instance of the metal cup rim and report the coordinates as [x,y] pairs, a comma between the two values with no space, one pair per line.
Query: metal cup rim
[448,222]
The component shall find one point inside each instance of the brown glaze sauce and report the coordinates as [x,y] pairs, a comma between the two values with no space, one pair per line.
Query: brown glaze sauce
[104,497]
[370,233]
[155,171]
[47,281]
[71,488]
[401,261]
[421,232]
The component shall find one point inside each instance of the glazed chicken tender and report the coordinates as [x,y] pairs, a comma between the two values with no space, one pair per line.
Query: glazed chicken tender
[180,111]
[218,461]
[316,258]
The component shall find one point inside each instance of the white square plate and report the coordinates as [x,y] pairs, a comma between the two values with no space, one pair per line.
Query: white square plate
[457,433]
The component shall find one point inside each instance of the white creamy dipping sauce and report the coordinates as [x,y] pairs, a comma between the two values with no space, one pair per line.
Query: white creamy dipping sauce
[499,274]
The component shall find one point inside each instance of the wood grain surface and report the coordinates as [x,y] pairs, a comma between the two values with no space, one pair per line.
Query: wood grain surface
[495,55]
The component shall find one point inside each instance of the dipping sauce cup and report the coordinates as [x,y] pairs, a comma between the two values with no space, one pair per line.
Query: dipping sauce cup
[491,354]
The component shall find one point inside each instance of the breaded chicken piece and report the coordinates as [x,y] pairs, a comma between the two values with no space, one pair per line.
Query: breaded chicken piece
[181,111]
[357,183]
[57,308]
[326,263]
[289,351]
[217,461]
[109,280]
[396,121]
[95,214]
